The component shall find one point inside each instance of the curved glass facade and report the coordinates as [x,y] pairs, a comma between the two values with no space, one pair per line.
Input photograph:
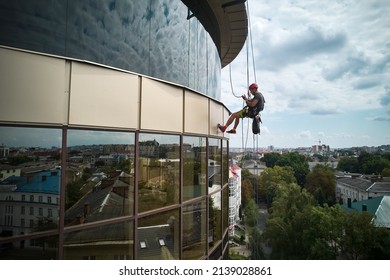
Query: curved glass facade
[149,37]
[109,148]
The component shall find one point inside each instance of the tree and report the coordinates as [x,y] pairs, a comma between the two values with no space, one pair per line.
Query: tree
[348,164]
[386,172]
[247,192]
[321,183]
[270,159]
[272,178]
[324,232]
[286,222]
[249,185]
[255,244]
[366,163]
[372,163]
[251,214]
[298,163]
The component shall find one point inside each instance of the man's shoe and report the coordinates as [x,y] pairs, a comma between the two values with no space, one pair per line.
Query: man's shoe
[221,128]
[232,131]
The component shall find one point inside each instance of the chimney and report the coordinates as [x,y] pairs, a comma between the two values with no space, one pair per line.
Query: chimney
[87,210]
[364,207]
[349,202]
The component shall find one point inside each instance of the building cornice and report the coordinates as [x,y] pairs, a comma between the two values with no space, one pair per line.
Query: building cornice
[226,22]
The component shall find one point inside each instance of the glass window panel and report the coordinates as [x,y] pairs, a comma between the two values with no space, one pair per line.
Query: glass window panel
[100,176]
[215,163]
[225,162]
[169,41]
[192,51]
[108,242]
[94,30]
[225,208]
[155,38]
[194,230]
[201,74]
[213,70]
[215,219]
[161,30]
[159,171]
[194,167]
[155,230]
[30,169]
[43,248]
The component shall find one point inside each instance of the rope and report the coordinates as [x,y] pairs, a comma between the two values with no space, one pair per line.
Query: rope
[231,83]
[250,37]
[247,71]
[248,44]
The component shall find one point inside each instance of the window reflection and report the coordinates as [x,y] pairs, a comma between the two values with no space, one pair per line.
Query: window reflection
[225,163]
[194,167]
[159,171]
[100,176]
[194,231]
[109,242]
[215,163]
[30,175]
[153,38]
[225,208]
[215,219]
[158,236]
[43,248]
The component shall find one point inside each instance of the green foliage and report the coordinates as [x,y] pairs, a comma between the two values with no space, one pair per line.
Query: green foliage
[298,163]
[16,160]
[270,159]
[237,256]
[249,182]
[286,222]
[247,192]
[73,193]
[373,163]
[386,172]
[348,164]
[255,244]
[366,163]
[321,183]
[251,214]
[272,178]
[297,229]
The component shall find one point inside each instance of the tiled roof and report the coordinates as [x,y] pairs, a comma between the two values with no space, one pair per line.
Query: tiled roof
[366,185]
[358,183]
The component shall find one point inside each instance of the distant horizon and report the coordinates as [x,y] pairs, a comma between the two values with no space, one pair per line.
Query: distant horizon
[303,147]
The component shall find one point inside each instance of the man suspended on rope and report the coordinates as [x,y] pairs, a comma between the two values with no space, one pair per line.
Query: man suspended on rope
[253,107]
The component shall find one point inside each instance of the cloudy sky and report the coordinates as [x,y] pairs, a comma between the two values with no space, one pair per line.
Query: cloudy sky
[324,69]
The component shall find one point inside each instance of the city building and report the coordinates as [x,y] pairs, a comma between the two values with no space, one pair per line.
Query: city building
[121,99]
[356,187]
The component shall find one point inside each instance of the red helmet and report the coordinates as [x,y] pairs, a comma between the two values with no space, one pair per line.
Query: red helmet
[252,86]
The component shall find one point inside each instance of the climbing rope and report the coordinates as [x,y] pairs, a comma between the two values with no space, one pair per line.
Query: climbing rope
[248,44]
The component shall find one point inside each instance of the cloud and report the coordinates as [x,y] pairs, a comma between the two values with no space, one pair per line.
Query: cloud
[366,83]
[297,47]
[323,111]
[305,134]
[385,100]
[360,64]
[319,59]
[381,119]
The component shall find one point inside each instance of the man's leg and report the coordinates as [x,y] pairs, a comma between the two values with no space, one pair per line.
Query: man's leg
[235,116]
